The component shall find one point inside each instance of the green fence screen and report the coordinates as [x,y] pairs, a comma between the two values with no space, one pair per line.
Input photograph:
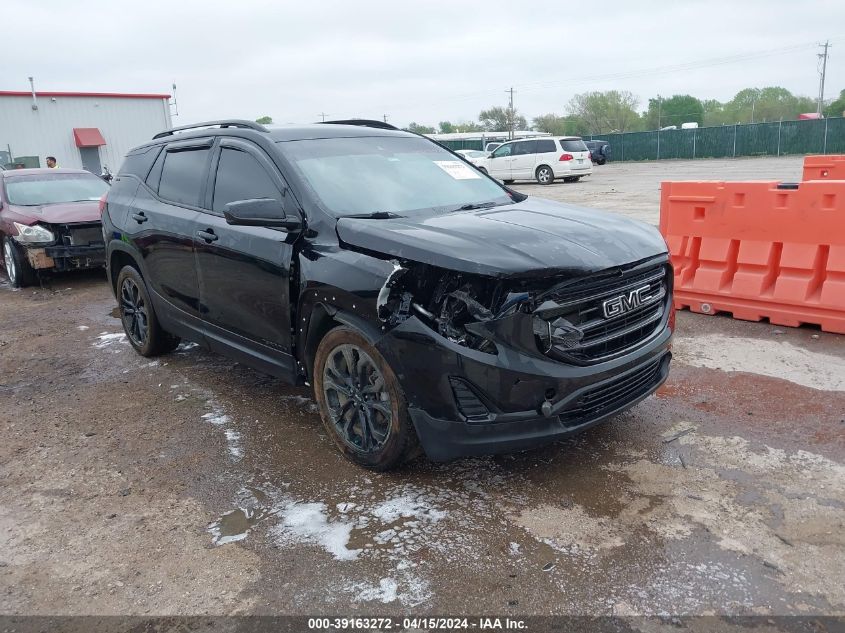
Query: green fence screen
[819,136]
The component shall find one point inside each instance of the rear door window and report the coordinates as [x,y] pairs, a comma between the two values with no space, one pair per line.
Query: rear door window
[523,147]
[545,146]
[182,175]
[570,145]
[241,177]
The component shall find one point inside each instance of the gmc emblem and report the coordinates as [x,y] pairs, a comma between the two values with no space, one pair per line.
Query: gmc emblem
[625,303]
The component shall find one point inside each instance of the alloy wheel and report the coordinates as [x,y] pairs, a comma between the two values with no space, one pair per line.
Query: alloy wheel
[358,402]
[9,259]
[133,311]
[544,175]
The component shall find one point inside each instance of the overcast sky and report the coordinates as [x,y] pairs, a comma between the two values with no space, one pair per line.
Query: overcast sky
[414,61]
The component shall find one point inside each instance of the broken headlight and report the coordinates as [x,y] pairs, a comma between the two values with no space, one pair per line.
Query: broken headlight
[33,234]
[445,301]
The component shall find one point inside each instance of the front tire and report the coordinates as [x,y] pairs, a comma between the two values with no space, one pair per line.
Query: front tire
[20,273]
[138,316]
[544,175]
[361,402]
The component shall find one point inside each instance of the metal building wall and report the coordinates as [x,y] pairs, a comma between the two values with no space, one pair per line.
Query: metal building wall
[48,131]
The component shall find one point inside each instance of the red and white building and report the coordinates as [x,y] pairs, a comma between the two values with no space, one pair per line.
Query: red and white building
[83,130]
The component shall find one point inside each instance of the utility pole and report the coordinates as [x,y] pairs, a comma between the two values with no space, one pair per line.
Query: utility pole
[510,115]
[384,116]
[659,101]
[323,115]
[823,58]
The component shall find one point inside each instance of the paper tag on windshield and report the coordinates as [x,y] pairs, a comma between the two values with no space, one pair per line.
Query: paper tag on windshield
[456,169]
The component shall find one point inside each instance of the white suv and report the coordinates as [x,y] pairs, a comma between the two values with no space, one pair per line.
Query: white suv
[540,159]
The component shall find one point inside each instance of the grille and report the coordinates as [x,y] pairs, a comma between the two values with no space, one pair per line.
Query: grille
[610,396]
[603,317]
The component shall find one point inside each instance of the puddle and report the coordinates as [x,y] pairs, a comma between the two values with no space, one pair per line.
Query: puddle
[233,526]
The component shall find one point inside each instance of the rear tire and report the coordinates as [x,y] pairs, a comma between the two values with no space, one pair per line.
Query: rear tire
[138,316]
[508,182]
[20,273]
[572,179]
[544,175]
[361,402]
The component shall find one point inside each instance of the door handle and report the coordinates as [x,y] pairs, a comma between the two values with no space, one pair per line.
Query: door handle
[208,235]
[140,218]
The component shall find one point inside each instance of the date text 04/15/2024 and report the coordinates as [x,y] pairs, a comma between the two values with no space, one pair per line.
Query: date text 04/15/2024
[429,623]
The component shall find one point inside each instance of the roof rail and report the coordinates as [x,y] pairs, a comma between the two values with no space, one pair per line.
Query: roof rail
[240,123]
[383,125]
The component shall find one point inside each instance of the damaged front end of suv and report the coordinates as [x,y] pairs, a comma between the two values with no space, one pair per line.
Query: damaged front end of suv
[495,359]
[505,364]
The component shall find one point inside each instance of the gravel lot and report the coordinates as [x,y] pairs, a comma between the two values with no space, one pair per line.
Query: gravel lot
[193,485]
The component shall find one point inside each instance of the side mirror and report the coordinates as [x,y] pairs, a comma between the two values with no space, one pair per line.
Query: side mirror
[260,212]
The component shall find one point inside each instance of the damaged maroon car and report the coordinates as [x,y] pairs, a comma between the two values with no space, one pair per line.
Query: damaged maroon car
[50,221]
[431,308]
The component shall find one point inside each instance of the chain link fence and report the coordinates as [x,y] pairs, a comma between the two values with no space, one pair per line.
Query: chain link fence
[816,136]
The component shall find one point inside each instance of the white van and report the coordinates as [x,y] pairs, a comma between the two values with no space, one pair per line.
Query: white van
[541,159]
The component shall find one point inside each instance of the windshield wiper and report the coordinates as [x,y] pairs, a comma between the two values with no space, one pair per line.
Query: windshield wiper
[375,215]
[476,205]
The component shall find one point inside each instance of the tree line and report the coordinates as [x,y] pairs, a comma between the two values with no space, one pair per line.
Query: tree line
[619,111]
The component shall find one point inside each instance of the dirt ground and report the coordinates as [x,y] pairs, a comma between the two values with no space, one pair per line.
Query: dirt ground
[193,485]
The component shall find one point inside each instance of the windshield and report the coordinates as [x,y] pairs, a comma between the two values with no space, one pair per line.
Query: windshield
[54,188]
[363,175]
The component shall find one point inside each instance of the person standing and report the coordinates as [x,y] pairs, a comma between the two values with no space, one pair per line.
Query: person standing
[51,162]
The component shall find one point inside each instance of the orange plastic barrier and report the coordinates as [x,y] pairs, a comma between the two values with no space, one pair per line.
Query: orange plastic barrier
[759,250]
[824,167]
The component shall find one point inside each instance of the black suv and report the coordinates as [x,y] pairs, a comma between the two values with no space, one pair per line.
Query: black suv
[431,308]
[599,151]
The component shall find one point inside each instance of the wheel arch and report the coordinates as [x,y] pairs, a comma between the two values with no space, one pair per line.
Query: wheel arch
[322,319]
[119,256]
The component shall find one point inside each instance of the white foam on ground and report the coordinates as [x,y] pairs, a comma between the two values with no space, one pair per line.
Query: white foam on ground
[309,522]
[777,359]
[387,591]
[233,440]
[217,415]
[106,339]
[405,507]
[82,328]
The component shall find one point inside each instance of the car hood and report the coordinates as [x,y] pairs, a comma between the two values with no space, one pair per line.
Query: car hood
[521,239]
[62,213]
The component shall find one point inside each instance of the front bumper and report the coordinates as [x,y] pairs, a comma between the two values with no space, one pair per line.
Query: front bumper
[477,404]
[62,258]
